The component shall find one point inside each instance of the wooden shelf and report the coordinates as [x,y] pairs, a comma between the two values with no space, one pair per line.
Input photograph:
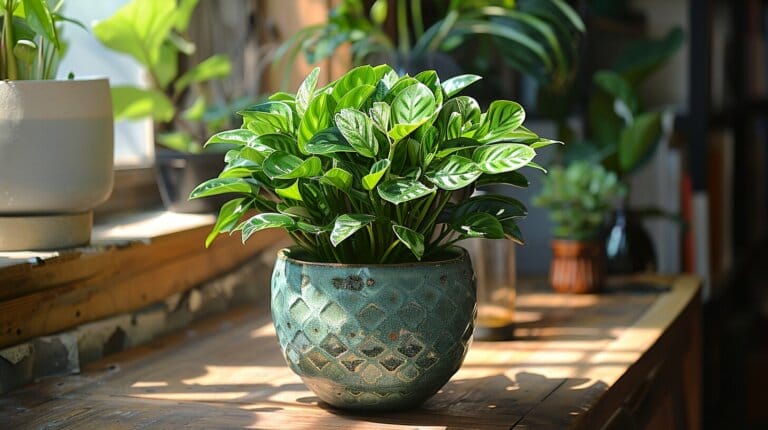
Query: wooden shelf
[630,356]
[133,260]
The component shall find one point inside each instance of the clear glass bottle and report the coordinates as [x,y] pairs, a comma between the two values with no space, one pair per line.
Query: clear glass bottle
[494,264]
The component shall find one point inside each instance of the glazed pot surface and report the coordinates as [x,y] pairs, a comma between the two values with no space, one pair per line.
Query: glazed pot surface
[376,337]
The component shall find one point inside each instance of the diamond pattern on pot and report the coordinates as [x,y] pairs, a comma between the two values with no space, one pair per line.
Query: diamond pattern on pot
[299,311]
[333,346]
[371,347]
[333,315]
[371,316]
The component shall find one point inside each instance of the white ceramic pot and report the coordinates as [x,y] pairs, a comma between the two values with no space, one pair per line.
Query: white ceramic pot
[56,159]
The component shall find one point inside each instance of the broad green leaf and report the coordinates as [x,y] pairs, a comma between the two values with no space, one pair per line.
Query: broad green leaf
[282,165]
[346,225]
[276,116]
[454,173]
[134,103]
[310,228]
[454,85]
[239,136]
[362,75]
[214,67]
[619,89]
[467,107]
[178,141]
[216,186]
[306,91]
[512,231]
[501,207]
[196,112]
[412,107]
[432,81]
[403,190]
[328,141]
[454,145]
[398,87]
[639,140]
[453,129]
[265,221]
[317,117]
[503,117]
[516,179]
[357,129]
[411,239]
[355,98]
[536,166]
[229,215]
[480,224]
[39,18]
[541,143]
[269,143]
[503,157]
[183,14]
[138,29]
[380,113]
[338,178]
[282,96]
[378,170]
[292,192]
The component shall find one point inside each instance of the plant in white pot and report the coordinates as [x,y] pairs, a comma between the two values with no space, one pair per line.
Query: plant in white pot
[374,306]
[56,144]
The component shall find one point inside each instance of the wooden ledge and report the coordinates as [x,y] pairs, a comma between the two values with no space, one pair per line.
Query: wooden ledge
[133,260]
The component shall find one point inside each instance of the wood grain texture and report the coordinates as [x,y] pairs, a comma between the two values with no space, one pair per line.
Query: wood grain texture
[578,360]
[123,271]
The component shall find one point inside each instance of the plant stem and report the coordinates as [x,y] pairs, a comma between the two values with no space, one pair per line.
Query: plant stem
[388,251]
[404,40]
[418,20]
[12,72]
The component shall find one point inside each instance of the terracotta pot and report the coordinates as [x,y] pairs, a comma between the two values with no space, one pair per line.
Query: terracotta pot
[577,266]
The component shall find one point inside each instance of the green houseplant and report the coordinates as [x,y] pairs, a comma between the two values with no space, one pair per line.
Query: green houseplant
[579,198]
[50,186]
[374,306]
[539,38]
[179,98]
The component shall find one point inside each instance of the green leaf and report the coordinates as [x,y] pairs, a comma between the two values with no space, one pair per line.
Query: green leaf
[306,91]
[414,106]
[214,67]
[317,117]
[346,225]
[480,224]
[403,190]
[454,173]
[378,170]
[355,98]
[265,221]
[380,113]
[269,143]
[282,165]
[26,51]
[337,177]
[270,117]
[363,75]
[357,129]
[134,103]
[138,29]
[328,141]
[229,215]
[454,85]
[503,117]
[216,186]
[639,140]
[196,112]
[512,231]
[618,87]
[501,207]
[448,147]
[178,141]
[183,14]
[516,179]
[643,58]
[239,136]
[292,192]
[542,143]
[39,18]
[411,239]
[503,157]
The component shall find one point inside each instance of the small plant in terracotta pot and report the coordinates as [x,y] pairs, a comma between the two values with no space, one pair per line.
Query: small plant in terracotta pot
[579,198]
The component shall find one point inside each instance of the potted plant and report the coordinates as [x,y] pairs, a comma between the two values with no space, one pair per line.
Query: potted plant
[179,98]
[56,147]
[374,306]
[579,198]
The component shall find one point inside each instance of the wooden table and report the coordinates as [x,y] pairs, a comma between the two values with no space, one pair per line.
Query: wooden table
[630,357]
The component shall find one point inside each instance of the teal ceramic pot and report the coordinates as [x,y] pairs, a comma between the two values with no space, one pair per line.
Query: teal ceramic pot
[374,337]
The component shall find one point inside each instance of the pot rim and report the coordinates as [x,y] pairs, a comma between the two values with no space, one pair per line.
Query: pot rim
[82,80]
[461,255]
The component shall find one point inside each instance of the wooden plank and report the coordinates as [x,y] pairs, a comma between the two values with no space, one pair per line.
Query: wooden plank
[88,285]
[578,357]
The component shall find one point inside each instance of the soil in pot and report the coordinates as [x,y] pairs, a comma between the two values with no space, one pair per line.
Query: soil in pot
[376,337]
[577,266]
